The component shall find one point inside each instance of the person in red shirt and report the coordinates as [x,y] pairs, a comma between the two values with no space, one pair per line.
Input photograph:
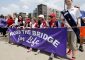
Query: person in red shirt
[52,24]
[27,21]
[33,24]
[52,18]
[10,20]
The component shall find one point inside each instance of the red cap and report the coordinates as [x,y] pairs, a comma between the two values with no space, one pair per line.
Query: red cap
[52,15]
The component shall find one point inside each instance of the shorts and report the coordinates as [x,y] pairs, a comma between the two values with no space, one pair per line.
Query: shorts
[72,40]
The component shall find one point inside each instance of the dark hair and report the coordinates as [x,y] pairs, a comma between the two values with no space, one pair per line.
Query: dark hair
[76,6]
[15,14]
[1,16]
[10,17]
[65,1]
[51,16]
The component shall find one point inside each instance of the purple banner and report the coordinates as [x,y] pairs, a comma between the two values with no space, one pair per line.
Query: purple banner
[51,40]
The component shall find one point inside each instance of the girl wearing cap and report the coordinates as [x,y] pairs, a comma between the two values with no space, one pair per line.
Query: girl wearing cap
[52,18]
[53,23]
[43,21]
[42,24]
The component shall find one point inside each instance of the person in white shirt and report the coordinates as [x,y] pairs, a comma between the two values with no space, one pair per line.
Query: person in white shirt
[72,38]
[15,20]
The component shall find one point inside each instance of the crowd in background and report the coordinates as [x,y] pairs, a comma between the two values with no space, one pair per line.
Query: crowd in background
[20,21]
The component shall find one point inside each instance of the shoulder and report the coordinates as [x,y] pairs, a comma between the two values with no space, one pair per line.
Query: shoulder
[16,18]
[76,9]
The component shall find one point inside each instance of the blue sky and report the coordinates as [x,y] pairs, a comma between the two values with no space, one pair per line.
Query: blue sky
[10,6]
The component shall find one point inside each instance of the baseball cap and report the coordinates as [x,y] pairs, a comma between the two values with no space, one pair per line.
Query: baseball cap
[52,15]
[42,16]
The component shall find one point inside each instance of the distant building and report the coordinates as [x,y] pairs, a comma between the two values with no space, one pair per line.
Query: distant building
[30,15]
[35,12]
[22,14]
[42,9]
[46,11]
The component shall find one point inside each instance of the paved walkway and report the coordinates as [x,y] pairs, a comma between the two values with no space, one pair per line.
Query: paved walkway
[12,52]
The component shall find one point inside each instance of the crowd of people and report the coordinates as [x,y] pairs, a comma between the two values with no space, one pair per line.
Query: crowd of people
[51,22]
[26,22]
[20,21]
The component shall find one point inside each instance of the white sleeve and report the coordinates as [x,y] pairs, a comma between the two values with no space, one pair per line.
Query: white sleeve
[61,16]
[23,22]
[16,21]
[78,15]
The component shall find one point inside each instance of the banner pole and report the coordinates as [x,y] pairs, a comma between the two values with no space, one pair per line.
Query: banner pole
[64,4]
[9,38]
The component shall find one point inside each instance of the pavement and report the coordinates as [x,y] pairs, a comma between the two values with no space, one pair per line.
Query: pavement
[14,52]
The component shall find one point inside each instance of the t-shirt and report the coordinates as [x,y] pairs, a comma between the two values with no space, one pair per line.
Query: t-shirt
[43,24]
[75,13]
[2,22]
[10,22]
[16,21]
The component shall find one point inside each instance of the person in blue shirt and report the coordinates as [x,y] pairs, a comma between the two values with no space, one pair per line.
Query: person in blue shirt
[3,25]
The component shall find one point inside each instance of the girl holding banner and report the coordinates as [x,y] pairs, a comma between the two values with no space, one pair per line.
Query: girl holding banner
[33,24]
[72,22]
[10,21]
[52,23]
[43,24]
[27,21]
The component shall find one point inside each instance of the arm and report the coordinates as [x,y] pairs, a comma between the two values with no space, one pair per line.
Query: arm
[78,14]
[64,21]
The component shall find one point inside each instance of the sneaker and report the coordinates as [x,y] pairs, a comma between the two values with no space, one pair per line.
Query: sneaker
[29,50]
[50,58]
[73,58]
[81,48]
[5,35]
[69,52]
[38,51]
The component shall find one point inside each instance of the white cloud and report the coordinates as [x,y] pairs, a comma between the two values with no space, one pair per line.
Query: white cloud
[30,5]
[9,9]
[27,5]
[4,10]
[14,7]
[55,4]
[82,7]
